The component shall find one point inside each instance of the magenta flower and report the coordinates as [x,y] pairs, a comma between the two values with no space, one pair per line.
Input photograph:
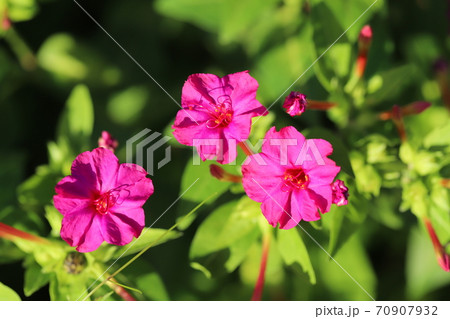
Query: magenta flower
[291,177]
[102,201]
[295,103]
[107,141]
[340,193]
[217,114]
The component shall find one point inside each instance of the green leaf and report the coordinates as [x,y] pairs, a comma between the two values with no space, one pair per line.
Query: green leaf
[348,15]
[148,236]
[198,184]
[368,180]
[293,250]
[249,269]
[54,218]
[21,10]
[126,106]
[392,83]
[7,294]
[56,56]
[67,287]
[203,13]
[353,258]
[415,197]
[153,287]
[240,248]
[77,120]
[225,226]
[38,190]
[279,67]
[423,274]
[35,279]
[242,16]
[198,169]
[439,136]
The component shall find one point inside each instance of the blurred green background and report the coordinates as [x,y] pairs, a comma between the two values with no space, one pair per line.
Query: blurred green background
[54,45]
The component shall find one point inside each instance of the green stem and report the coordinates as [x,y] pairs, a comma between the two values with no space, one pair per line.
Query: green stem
[21,49]
[108,278]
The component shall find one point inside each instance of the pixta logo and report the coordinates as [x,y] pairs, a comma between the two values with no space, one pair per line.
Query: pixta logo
[143,145]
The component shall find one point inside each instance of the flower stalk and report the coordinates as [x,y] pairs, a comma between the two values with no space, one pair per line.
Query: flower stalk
[222,175]
[244,146]
[259,287]
[11,233]
[442,257]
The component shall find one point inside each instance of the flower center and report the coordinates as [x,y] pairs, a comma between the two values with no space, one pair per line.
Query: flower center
[105,202]
[295,178]
[221,115]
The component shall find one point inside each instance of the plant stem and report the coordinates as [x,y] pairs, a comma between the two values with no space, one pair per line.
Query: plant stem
[257,292]
[110,277]
[244,146]
[24,54]
[10,233]
[120,290]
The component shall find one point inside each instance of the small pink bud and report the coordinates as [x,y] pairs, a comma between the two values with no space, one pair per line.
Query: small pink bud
[340,193]
[364,42]
[107,141]
[6,23]
[295,103]
[365,35]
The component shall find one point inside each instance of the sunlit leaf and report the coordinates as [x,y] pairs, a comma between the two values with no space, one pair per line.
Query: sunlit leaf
[7,294]
[148,236]
[293,250]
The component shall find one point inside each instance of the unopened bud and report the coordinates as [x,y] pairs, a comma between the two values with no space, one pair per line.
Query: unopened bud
[107,141]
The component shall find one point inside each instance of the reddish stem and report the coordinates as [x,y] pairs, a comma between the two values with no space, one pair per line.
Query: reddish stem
[361,63]
[243,145]
[222,175]
[442,257]
[257,292]
[122,292]
[397,117]
[320,105]
[10,233]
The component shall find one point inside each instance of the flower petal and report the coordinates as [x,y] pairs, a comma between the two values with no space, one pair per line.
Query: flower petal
[135,188]
[261,175]
[275,206]
[284,146]
[119,228]
[244,94]
[80,229]
[303,206]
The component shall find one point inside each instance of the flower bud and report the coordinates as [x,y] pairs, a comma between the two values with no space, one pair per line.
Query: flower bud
[107,141]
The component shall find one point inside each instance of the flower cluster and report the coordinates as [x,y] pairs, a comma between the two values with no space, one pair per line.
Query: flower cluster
[292,177]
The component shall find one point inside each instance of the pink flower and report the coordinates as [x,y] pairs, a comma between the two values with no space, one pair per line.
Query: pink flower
[102,201]
[107,141]
[291,177]
[340,193]
[217,114]
[295,103]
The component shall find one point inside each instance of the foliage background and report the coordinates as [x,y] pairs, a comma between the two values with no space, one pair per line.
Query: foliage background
[57,46]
